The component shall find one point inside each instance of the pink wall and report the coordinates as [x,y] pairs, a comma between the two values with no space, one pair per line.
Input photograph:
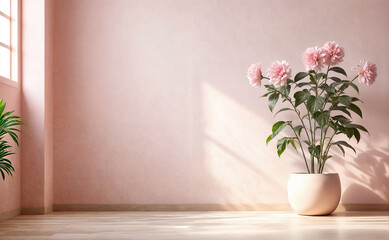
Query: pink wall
[10,194]
[152,105]
[49,118]
[36,107]
[33,102]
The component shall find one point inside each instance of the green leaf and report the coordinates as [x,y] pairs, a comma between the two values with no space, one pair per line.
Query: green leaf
[312,78]
[302,84]
[339,70]
[341,148]
[336,79]
[282,110]
[2,106]
[357,135]
[343,82]
[267,94]
[279,126]
[8,121]
[354,86]
[314,151]
[322,118]
[298,129]
[301,96]
[342,119]
[343,87]
[276,129]
[345,144]
[315,103]
[354,99]
[360,127]
[300,75]
[291,141]
[333,125]
[349,132]
[2,174]
[327,88]
[14,137]
[281,145]
[273,100]
[289,81]
[340,108]
[319,76]
[355,109]
[269,138]
[285,90]
[345,100]
[276,126]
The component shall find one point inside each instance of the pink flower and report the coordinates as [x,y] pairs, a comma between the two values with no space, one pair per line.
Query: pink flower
[314,58]
[254,74]
[334,53]
[279,72]
[367,72]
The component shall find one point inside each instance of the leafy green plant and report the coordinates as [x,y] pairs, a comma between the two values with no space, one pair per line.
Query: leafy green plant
[322,107]
[8,123]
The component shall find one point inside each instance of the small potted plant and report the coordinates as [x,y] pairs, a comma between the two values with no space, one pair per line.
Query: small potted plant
[8,123]
[323,111]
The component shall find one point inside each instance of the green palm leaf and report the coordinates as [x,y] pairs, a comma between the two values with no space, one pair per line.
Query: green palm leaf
[8,123]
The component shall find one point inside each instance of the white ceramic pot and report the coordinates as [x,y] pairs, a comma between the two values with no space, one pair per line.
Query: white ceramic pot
[314,194]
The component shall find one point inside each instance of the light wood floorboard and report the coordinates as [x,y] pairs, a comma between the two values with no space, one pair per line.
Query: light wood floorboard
[195,225]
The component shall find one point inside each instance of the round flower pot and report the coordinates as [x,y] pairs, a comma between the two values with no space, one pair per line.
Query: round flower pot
[314,194]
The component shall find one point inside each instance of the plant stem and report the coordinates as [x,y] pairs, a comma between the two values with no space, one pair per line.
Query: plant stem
[325,81]
[296,111]
[302,122]
[325,153]
[327,149]
[314,132]
[301,147]
[320,160]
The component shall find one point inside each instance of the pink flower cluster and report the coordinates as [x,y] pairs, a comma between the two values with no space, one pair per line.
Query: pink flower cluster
[367,72]
[279,72]
[313,58]
[334,53]
[254,74]
[330,54]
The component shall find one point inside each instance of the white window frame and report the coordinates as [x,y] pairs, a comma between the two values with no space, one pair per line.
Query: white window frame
[14,45]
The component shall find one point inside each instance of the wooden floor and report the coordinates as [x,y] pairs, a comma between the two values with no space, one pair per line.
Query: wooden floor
[196,225]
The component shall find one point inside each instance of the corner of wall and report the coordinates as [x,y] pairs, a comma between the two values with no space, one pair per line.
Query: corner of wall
[37,151]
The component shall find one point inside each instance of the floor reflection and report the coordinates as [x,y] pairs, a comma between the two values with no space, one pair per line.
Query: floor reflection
[196,225]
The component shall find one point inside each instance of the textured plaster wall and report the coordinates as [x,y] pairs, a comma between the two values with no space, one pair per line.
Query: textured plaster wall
[152,105]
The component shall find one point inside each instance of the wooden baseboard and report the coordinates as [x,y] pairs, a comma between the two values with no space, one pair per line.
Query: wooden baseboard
[363,207]
[171,207]
[9,214]
[37,210]
[206,207]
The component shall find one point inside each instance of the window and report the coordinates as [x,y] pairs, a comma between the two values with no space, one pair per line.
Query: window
[8,40]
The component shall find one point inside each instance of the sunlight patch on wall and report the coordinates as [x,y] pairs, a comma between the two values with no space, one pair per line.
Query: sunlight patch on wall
[235,152]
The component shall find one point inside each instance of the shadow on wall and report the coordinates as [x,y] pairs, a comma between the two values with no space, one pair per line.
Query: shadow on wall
[370,175]
[367,173]
[236,159]
[364,176]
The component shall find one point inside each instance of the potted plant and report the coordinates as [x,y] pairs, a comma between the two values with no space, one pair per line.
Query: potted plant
[323,112]
[8,123]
